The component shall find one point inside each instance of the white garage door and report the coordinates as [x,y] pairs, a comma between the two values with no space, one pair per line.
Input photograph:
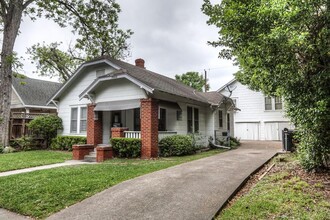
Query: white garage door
[273,130]
[247,131]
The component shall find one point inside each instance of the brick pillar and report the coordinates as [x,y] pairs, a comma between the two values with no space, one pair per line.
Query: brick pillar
[149,128]
[94,126]
[117,132]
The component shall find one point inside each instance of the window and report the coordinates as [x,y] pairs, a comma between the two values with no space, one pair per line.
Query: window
[220,119]
[179,115]
[83,119]
[137,120]
[78,120]
[196,120]
[162,120]
[192,119]
[278,103]
[228,121]
[74,119]
[268,103]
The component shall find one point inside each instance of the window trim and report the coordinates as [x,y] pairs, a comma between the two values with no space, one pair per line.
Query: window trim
[191,122]
[78,120]
[74,119]
[273,103]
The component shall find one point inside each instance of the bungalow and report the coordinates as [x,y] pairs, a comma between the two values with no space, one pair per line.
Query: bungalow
[29,100]
[107,98]
[260,117]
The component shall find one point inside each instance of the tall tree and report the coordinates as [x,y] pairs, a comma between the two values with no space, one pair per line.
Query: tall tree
[194,80]
[98,35]
[80,14]
[282,48]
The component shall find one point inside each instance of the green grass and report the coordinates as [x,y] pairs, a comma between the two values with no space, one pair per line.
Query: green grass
[41,193]
[281,195]
[20,160]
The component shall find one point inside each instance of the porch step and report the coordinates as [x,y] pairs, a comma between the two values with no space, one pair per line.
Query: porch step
[90,158]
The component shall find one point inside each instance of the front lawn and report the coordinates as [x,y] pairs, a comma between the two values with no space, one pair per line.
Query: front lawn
[41,193]
[286,193]
[20,160]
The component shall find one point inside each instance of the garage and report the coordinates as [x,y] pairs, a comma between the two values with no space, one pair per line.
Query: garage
[247,130]
[273,130]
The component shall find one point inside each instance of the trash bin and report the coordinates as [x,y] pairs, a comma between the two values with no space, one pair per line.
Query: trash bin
[287,139]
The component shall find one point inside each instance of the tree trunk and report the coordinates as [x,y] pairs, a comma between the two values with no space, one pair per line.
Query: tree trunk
[11,22]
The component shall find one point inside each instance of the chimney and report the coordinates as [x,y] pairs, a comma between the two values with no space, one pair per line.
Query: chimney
[140,63]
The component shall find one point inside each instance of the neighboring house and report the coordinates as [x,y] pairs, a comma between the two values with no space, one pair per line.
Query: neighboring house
[259,117]
[107,98]
[28,100]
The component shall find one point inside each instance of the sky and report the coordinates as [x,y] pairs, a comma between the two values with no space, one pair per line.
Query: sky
[171,36]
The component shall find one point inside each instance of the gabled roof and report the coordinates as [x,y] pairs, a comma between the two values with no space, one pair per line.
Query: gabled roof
[34,92]
[151,79]
[214,98]
[227,84]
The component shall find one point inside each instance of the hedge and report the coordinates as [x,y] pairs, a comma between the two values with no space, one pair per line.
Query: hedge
[66,142]
[126,147]
[176,145]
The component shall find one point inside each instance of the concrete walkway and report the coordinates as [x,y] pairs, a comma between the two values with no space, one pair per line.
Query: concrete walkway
[194,190]
[45,167]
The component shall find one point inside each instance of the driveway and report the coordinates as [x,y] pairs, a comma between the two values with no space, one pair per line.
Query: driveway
[194,190]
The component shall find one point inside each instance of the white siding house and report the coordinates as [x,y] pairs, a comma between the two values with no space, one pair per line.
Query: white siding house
[259,117]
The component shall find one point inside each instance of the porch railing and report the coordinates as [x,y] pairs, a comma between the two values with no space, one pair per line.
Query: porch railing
[132,134]
[23,115]
[137,134]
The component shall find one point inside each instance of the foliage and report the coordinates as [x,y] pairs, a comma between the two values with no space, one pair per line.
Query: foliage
[95,23]
[8,150]
[176,145]
[1,149]
[126,147]
[21,160]
[66,142]
[282,194]
[234,141]
[84,181]
[46,127]
[194,80]
[24,143]
[197,140]
[282,49]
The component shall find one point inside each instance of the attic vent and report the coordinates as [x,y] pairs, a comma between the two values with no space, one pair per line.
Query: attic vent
[100,72]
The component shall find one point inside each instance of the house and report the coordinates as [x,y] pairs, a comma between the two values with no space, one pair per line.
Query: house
[107,98]
[29,100]
[260,117]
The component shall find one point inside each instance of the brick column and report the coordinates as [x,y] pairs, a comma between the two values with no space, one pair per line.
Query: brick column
[149,128]
[117,132]
[79,151]
[103,153]
[94,126]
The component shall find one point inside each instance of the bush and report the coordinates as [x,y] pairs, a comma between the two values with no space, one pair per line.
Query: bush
[1,149]
[24,143]
[8,150]
[126,147]
[234,142]
[176,145]
[66,142]
[46,127]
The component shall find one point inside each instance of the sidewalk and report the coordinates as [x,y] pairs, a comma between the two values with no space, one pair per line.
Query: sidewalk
[31,169]
[194,190]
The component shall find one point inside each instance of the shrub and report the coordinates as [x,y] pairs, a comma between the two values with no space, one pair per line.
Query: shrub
[126,147]
[24,143]
[46,127]
[1,149]
[176,145]
[8,150]
[234,141]
[66,142]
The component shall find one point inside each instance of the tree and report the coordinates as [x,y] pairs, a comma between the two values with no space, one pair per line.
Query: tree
[99,35]
[194,80]
[282,48]
[80,14]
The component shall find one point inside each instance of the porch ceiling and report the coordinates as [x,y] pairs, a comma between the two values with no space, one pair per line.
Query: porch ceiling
[117,105]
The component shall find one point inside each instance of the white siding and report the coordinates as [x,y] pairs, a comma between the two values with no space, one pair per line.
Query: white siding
[119,89]
[15,101]
[252,106]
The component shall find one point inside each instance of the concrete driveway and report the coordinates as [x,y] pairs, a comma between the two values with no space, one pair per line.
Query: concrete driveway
[194,190]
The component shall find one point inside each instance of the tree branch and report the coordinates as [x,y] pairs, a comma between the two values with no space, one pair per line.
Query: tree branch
[4,7]
[27,3]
